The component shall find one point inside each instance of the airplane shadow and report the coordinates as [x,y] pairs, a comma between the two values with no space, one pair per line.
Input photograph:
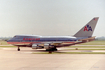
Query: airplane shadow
[59,51]
[43,50]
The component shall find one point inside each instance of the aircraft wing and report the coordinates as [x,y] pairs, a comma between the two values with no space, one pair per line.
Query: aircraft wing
[78,42]
[87,39]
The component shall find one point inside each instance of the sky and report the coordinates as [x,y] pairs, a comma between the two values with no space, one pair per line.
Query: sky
[50,17]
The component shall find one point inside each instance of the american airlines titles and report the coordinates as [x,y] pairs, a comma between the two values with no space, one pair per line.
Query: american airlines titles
[31,38]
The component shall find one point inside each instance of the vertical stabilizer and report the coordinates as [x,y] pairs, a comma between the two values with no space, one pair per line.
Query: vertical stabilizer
[88,29]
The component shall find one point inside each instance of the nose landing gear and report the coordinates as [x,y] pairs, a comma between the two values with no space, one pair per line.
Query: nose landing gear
[18,48]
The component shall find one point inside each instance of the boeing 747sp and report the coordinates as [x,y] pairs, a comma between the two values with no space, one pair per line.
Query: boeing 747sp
[50,43]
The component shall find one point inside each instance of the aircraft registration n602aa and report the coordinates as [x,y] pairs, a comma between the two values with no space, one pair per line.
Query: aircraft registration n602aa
[50,43]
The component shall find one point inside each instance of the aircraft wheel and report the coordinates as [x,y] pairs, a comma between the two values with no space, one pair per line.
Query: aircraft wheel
[52,49]
[18,49]
[55,49]
[48,49]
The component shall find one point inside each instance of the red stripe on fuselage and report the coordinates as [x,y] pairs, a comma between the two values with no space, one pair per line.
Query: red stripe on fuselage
[30,42]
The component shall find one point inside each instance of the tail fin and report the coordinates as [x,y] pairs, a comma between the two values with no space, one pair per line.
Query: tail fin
[88,29]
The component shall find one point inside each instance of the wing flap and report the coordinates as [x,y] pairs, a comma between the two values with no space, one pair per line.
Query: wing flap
[88,39]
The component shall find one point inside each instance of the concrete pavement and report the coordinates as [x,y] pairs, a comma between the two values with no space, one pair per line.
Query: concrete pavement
[10,59]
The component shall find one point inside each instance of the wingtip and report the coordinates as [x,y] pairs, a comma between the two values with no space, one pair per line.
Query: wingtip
[95,18]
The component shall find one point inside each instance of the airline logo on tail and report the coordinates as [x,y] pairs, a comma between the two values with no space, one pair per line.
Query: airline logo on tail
[95,18]
[87,28]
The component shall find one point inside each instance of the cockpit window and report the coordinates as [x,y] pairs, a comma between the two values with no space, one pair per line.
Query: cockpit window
[14,36]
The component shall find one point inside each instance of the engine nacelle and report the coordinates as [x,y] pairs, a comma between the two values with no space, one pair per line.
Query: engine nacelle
[47,46]
[34,46]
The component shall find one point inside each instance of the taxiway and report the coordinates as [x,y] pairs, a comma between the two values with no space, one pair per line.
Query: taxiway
[10,59]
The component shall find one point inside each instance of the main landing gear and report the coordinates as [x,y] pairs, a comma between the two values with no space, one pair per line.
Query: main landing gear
[18,48]
[52,49]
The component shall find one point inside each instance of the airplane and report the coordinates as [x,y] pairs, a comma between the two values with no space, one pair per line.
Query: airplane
[50,43]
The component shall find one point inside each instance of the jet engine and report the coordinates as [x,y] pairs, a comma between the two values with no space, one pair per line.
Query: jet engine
[48,46]
[35,46]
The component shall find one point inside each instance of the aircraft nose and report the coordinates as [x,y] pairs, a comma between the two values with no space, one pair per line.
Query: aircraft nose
[8,40]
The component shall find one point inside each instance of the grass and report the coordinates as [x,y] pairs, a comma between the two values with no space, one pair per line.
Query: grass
[86,46]
[94,43]
[3,43]
[8,46]
[86,49]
